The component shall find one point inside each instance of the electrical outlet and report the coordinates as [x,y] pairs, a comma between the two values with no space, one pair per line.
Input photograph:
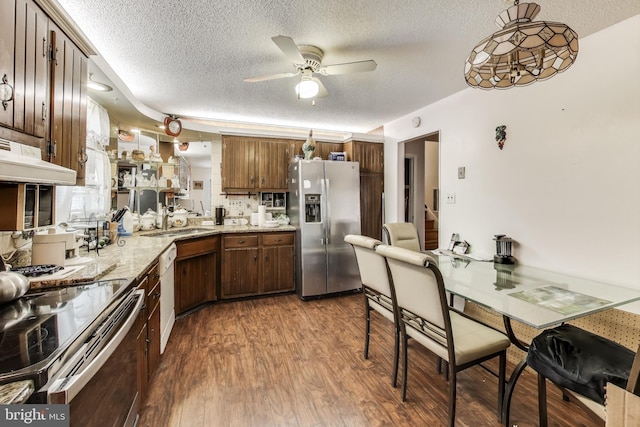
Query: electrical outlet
[461,172]
[451,198]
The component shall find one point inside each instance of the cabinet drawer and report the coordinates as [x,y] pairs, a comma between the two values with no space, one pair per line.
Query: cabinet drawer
[153,298]
[192,247]
[154,276]
[277,239]
[240,241]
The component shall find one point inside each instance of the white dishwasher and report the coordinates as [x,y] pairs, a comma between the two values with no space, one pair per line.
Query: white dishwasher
[167,309]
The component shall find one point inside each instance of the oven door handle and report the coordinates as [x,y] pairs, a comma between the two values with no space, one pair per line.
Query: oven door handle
[63,390]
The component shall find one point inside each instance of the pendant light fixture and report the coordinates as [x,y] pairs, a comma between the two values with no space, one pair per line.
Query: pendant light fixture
[522,51]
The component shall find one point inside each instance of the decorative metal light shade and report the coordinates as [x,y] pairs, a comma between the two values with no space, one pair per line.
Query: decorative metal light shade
[522,51]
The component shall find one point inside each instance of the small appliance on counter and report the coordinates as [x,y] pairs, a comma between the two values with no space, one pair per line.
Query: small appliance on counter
[220,213]
[55,247]
[503,250]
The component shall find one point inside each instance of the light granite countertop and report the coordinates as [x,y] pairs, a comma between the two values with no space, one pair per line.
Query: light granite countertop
[137,253]
[16,392]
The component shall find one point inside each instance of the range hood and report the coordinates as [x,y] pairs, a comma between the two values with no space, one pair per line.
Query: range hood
[15,167]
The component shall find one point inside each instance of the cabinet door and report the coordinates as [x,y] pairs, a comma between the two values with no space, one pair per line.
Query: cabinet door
[68,104]
[277,269]
[273,161]
[371,188]
[195,281]
[240,269]
[324,148]
[142,349]
[7,50]
[153,336]
[370,155]
[26,48]
[238,163]
[295,148]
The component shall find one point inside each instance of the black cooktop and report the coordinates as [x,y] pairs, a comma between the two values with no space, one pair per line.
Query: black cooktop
[36,329]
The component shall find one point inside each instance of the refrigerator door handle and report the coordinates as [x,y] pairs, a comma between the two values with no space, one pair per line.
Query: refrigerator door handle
[327,211]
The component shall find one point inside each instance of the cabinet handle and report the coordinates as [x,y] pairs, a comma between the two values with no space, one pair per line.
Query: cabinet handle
[44,47]
[44,112]
[82,157]
[278,240]
[6,99]
[262,179]
[156,276]
[240,242]
[156,295]
[54,148]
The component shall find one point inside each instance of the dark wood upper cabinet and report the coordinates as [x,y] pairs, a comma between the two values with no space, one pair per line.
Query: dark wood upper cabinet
[24,62]
[47,70]
[68,107]
[255,164]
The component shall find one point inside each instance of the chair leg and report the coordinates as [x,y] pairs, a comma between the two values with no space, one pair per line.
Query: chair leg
[542,401]
[501,382]
[452,397]
[396,357]
[405,362]
[367,328]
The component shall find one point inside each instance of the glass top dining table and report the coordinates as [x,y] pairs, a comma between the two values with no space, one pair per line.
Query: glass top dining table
[533,296]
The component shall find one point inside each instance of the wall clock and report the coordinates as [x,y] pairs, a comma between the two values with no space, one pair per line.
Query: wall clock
[172,126]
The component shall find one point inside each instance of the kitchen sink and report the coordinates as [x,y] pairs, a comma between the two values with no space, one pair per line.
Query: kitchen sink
[176,233]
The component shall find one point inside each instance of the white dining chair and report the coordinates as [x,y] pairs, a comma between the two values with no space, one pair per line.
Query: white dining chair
[402,234]
[425,316]
[377,291]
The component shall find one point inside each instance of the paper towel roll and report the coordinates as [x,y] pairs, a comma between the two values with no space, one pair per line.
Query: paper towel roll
[262,215]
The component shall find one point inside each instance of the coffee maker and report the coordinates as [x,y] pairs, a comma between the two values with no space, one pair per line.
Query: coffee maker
[220,213]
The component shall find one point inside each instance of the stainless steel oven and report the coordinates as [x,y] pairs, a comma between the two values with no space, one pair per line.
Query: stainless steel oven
[79,346]
[98,382]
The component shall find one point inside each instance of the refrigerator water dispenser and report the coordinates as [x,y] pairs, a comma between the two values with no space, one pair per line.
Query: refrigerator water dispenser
[312,208]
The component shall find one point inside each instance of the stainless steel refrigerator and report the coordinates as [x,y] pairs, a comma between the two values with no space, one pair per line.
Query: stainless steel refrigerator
[324,206]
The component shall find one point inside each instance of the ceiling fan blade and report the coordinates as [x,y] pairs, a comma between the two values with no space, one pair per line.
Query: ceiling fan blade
[289,48]
[322,91]
[349,67]
[270,77]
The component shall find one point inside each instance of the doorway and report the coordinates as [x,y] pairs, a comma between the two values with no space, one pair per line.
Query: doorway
[421,186]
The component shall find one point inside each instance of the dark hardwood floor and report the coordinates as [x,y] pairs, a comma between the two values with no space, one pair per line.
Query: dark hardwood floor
[281,361]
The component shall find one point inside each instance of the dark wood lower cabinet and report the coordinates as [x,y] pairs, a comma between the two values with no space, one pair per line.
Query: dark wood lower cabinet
[256,264]
[148,325]
[277,262]
[196,269]
[143,378]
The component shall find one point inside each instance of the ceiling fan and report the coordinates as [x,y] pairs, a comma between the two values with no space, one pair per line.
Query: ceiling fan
[308,61]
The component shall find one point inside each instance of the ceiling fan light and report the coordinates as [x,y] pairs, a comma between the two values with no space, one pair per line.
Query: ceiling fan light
[307,89]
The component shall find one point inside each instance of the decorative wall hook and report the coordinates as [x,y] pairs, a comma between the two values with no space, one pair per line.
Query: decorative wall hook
[501,135]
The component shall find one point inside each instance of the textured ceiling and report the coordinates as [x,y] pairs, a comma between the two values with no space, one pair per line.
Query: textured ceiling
[189,57]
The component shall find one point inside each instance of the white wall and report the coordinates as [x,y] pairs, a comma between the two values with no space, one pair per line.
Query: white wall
[203,174]
[566,186]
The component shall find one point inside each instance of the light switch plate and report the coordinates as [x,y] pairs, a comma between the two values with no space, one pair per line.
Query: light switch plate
[461,172]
